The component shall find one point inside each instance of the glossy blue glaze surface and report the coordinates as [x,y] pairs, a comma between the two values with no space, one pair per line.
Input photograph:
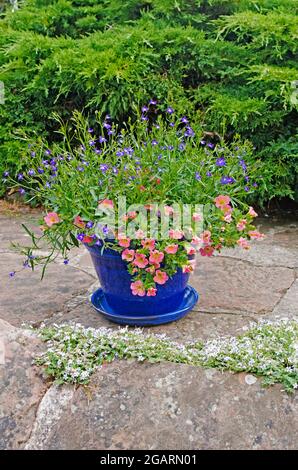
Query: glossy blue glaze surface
[189,299]
[115,286]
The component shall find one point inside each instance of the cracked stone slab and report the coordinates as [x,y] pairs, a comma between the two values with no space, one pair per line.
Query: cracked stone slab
[194,326]
[237,286]
[166,406]
[279,248]
[21,386]
[288,306]
[26,299]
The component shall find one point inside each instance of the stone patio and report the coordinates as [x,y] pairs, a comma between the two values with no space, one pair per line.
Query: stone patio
[146,406]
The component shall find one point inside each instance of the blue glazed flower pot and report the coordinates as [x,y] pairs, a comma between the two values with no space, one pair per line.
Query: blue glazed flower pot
[121,305]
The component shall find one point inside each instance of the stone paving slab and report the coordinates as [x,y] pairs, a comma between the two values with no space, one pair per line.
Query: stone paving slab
[165,406]
[21,387]
[27,299]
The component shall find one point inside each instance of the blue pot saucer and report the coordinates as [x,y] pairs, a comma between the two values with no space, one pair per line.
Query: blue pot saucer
[100,304]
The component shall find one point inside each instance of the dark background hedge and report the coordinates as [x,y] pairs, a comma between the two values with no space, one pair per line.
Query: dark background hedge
[232,64]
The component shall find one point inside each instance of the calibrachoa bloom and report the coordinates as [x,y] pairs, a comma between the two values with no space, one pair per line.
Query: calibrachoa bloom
[78,222]
[175,234]
[51,218]
[243,243]
[156,257]
[148,243]
[137,288]
[252,212]
[128,255]
[171,249]
[140,260]
[123,241]
[187,268]
[160,277]
[151,292]
[222,201]
[255,235]
[241,224]
[207,250]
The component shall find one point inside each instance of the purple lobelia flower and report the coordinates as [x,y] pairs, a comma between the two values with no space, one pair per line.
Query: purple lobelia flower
[20,176]
[33,154]
[40,171]
[91,142]
[246,188]
[47,152]
[102,139]
[80,168]
[106,125]
[144,109]
[203,142]
[198,176]
[227,180]
[153,102]
[103,167]
[90,130]
[6,174]
[80,236]
[89,224]
[22,191]
[220,161]
[154,142]
[208,173]
[170,110]
[189,132]
[210,145]
[31,172]
[184,120]
[144,118]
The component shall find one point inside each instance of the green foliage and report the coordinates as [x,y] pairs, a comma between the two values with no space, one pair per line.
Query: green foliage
[267,349]
[233,64]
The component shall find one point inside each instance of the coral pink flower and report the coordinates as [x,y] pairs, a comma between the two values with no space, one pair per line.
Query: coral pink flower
[156,257]
[123,241]
[128,255]
[228,218]
[137,288]
[243,243]
[106,203]
[207,251]
[206,236]
[252,212]
[241,225]
[140,260]
[151,292]
[168,210]
[196,217]
[196,241]
[175,234]
[255,235]
[190,250]
[227,210]
[51,218]
[221,201]
[160,277]
[78,222]
[187,268]
[171,249]
[87,239]
[142,188]
[148,243]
